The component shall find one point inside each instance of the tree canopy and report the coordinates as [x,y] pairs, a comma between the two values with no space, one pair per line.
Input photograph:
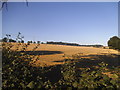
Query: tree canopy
[114,43]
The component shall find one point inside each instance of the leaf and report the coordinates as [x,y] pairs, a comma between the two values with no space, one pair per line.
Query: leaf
[31,84]
[75,84]
[105,77]
[39,86]
[22,84]
[113,82]
[114,76]
[110,87]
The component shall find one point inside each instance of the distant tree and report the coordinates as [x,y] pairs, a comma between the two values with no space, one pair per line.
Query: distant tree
[8,38]
[19,42]
[0,40]
[22,41]
[42,42]
[72,44]
[4,39]
[11,40]
[38,42]
[28,42]
[114,43]
[34,42]
[19,37]
[31,42]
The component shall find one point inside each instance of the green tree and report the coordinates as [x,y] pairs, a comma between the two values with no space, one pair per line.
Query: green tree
[114,43]
[11,40]
[38,42]
[4,39]
[19,37]
[8,38]
[22,41]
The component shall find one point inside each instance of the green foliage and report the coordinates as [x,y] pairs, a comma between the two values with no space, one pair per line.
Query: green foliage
[8,39]
[72,44]
[34,42]
[4,39]
[19,38]
[114,43]
[29,42]
[88,78]
[68,71]
[16,69]
[38,42]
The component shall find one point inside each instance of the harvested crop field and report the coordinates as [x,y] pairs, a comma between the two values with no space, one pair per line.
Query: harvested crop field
[49,54]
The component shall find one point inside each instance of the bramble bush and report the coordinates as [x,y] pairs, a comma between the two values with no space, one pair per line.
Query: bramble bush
[89,77]
[17,72]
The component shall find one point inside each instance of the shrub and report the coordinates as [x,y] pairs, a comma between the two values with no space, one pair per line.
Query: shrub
[114,43]
[38,42]
[89,77]
[17,72]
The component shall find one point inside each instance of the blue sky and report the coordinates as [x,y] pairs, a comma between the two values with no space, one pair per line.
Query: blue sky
[83,22]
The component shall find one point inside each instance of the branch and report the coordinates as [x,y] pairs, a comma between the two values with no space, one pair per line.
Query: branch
[4,3]
[27,3]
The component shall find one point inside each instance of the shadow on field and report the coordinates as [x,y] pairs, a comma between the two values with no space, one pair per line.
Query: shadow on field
[54,75]
[111,60]
[41,52]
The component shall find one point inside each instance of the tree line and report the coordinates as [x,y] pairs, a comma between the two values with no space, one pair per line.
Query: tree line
[113,42]
[72,44]
[18,39]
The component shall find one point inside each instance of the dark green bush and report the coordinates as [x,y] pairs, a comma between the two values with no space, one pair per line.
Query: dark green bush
[114,43]
[89,77]
[17,72]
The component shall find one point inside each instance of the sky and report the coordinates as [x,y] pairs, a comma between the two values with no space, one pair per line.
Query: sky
[74,22]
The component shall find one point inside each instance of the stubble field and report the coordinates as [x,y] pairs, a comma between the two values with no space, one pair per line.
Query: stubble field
[50,55]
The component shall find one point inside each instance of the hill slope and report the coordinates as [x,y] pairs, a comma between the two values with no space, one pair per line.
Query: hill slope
[55,54]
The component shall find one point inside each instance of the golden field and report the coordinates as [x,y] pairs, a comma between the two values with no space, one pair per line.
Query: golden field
[49,54]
